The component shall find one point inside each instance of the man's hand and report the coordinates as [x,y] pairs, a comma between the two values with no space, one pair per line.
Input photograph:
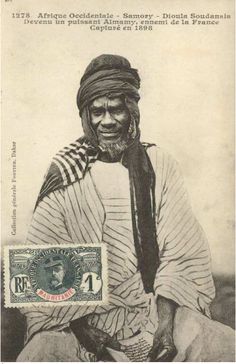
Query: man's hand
[163,348]
[93,339]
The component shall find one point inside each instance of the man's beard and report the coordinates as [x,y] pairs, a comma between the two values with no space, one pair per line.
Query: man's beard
[115,149]
[54,282]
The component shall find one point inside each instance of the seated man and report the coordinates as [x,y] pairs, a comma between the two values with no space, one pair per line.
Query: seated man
[109,187]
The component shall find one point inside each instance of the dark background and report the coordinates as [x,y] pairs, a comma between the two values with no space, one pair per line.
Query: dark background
[13,323]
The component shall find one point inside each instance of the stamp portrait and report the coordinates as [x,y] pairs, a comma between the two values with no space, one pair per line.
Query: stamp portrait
[44,275]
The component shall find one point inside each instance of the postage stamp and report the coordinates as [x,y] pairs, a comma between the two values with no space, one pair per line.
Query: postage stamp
[55,275]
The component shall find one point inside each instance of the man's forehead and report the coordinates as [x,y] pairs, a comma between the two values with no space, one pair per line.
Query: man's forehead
[55,266]
[107,101]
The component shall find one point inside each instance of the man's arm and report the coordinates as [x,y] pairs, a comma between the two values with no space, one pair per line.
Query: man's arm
[48,226]
[93,339]
[184,274]
[163,344]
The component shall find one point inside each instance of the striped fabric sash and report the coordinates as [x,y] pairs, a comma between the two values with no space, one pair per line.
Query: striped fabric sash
[68,166]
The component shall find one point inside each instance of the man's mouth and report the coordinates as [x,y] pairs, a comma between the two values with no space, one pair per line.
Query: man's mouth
[110,134]
[54,281]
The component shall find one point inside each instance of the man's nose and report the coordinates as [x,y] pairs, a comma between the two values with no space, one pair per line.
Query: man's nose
[108,120]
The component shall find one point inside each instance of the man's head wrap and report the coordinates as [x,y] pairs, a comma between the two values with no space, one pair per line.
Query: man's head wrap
[105,75]
[111,76]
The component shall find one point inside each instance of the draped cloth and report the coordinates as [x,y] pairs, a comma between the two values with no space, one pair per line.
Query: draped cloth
[142,185]
[75,214]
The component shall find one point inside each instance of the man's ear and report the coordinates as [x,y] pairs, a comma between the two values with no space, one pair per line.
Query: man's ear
[133,109]
[89,132]
[132,131]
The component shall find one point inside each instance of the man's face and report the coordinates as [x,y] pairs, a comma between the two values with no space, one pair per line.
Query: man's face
[55,275]
[110,119]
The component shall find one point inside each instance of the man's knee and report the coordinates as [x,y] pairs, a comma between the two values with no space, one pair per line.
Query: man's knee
[197,338]
[51,346]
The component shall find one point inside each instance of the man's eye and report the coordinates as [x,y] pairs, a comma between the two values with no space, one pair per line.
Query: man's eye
[117,111]
[97,113]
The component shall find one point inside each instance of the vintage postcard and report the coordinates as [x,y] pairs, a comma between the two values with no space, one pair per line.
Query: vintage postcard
[118,180]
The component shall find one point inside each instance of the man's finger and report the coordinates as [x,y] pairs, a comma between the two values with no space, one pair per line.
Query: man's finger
[166,355]
[114,344]
[154,351]
[162,353]
[99,350]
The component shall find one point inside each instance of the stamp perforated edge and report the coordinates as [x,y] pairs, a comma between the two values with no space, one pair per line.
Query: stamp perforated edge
[6,276]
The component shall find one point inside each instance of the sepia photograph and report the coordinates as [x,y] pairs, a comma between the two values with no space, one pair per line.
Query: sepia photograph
[118,181]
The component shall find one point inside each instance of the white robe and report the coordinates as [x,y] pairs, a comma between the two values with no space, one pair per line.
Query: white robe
[79,214]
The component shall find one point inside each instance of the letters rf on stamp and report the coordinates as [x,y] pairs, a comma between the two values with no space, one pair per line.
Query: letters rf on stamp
[45,275]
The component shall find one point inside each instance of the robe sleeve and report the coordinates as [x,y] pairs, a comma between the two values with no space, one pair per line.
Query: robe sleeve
[48,225]
[184,274]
